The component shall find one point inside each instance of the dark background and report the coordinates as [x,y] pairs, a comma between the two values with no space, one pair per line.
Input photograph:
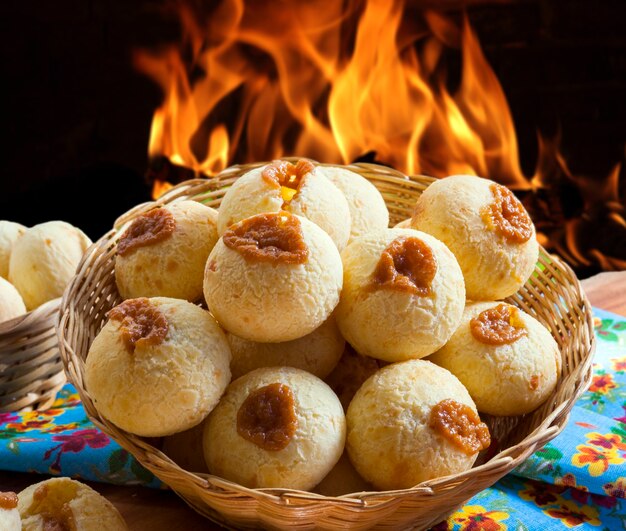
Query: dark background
[76,116]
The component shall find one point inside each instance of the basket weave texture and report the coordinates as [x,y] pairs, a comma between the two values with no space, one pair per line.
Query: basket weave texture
[31,370]
[552,295]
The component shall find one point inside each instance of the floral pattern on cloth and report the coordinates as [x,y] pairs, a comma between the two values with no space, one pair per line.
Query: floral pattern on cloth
[578,480]
[518,504]
[62,441]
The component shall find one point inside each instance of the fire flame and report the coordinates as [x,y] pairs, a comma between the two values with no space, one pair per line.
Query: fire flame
[341,81]
[594,235]
[388,96]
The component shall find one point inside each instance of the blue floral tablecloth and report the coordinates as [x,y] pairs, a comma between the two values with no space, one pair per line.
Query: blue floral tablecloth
[62,441]
[578,480]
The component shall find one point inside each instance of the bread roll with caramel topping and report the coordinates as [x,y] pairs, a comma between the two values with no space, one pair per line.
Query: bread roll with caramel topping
[403,294]
[163,252]
[410,422]
[300,189]
[487,229]
[275,427]
[507,359]
[158,366]
[62,503]
[273,277]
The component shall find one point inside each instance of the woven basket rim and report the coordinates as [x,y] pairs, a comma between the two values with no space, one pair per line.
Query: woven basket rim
[498,465]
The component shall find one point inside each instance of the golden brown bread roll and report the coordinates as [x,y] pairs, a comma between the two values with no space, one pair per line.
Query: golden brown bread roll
[163,252]
[300,189]
[273,277]
[487,229]
[410,422]
[402,297]
[62,503]
[507,359]
[44,259]
[158,366]
[275,427]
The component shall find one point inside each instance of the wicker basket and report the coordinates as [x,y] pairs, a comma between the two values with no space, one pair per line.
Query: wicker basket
[552,295]
[31,370]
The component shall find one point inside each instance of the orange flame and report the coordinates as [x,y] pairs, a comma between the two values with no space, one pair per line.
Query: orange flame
[594,235]
[281,75]
[160,187]
[337,81]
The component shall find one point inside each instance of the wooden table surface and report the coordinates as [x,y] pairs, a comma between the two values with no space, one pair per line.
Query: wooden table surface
[152,510]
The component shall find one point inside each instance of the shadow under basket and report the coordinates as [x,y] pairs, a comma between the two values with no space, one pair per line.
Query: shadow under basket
[31,370]
[552,295]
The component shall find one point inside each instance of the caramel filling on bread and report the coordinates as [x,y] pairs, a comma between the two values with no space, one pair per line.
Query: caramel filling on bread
[141,323]
[148,229]
[407,264]
[507,216]
[267,417]
[533,383]
[8,500]
[53,506]
[40,494]
[276,238]
[460,425]
[287,176]
[500,325]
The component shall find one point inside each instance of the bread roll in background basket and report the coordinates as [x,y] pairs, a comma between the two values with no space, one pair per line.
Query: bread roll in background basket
[31,370]
[552,295]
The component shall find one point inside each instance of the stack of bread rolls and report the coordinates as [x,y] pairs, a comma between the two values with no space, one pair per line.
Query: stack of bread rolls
[292,340]
[36,264]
